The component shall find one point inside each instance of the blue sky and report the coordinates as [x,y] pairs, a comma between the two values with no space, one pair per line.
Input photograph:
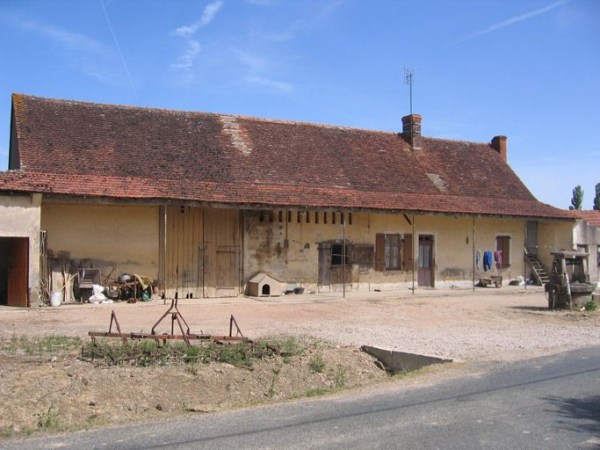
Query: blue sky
[528,69]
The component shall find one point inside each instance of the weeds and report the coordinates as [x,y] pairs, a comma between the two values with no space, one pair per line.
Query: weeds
[149,353]
[318,391]
[8,431]
[39,345]
[591,306]
[316,363]
[48,420]
[340,376]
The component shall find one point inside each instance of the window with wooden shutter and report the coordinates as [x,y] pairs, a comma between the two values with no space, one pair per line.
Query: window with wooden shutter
[380,252]
[503,245]
[407,263]
[389,252]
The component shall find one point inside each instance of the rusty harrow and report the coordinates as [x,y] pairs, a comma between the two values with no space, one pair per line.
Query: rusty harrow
[176,318]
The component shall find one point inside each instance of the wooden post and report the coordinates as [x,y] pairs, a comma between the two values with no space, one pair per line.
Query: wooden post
[343,218]
[413,254]
[474,267]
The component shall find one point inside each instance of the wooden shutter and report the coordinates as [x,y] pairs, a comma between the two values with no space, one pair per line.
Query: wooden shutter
[407,263]
[380,252]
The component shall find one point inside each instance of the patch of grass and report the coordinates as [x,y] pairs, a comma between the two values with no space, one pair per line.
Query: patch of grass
[149,353]
[48,420]
[316,363]
[8,431]
[341,376]
[271,393]
[591,306]
[39,345]
[318,391]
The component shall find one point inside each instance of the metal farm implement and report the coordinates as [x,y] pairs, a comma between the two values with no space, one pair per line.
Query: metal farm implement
[176,318]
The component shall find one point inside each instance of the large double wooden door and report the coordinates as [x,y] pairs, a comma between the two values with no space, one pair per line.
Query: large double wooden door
[201,252]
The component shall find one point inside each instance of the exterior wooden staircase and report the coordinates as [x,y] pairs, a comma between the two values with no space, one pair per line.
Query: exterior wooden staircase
[541,274]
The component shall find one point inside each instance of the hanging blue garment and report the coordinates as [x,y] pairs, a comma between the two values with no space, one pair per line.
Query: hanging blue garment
[478,259]
[488,258]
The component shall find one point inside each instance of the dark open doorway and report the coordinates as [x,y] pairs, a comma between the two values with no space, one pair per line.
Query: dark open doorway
[14,271]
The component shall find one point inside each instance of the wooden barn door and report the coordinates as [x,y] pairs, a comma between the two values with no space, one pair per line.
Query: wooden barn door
[18,272]
[203,252]
[222,244]
[184,272]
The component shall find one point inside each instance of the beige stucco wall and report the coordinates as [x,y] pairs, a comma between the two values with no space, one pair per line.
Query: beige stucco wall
[586,234]
[20,217]
[553,236]
[289,250]
[105,236]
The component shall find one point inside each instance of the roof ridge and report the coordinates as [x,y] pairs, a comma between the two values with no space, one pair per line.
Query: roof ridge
[455,140]
[206,113]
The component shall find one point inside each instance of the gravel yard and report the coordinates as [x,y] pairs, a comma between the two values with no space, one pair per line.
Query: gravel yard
[488,324]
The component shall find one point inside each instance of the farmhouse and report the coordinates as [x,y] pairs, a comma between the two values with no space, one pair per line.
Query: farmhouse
[201,203]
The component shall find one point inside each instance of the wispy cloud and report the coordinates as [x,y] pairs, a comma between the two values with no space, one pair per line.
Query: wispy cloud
[318,17]
[110,28]
[261,2]
[208,15]
[185,62]
[70,40]
[282,86]
[257,69]
[512,21]
[80,51]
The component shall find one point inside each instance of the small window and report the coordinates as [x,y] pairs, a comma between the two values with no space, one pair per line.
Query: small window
[349,218]
[280,216]
[271,216]
[333,218]
[289,216]
[261,216]
[337,255]
[325,217]
[502,253]
[299,219]
[307,216]
[316,217]
[342,218]
[598,257]
[392,252]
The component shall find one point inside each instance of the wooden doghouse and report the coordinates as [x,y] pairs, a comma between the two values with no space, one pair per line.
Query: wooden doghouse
[263,285]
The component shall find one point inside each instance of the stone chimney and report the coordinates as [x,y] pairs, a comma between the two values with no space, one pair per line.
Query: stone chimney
[411,130]
[499,144]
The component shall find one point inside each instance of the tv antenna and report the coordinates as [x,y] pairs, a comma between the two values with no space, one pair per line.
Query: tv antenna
[408,79]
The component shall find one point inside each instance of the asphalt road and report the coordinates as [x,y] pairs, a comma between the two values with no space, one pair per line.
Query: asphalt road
[545,403]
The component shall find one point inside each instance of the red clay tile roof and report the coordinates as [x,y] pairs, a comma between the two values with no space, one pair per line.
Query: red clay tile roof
[590,216]
[77,148]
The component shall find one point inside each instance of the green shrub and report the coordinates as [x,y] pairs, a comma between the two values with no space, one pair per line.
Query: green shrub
[591,306]
[316,363]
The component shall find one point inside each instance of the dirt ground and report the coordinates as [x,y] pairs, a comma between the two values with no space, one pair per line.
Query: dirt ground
[55,390]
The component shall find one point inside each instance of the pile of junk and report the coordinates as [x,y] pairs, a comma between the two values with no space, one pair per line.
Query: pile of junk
[88,285]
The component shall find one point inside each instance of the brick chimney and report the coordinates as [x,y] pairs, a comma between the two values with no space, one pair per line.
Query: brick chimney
[499,144]
[411,130]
